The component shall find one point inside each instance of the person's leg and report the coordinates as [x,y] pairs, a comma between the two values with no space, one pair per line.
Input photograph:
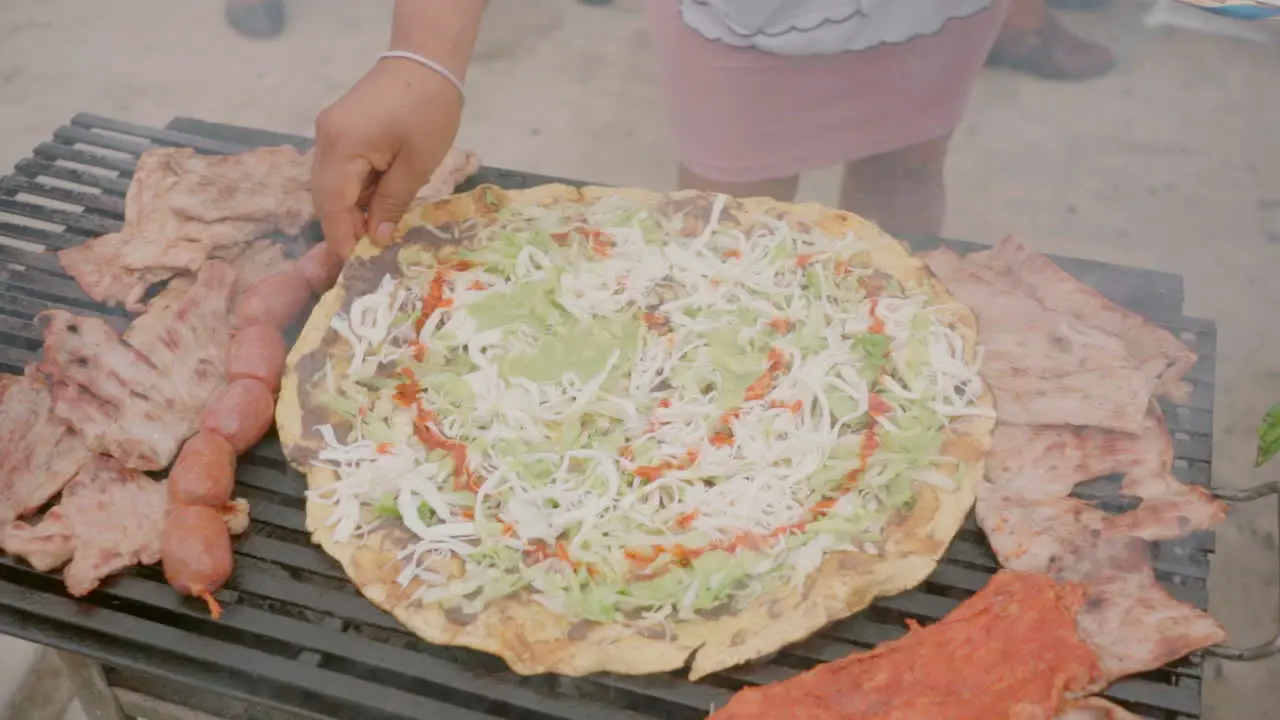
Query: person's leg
[902,191]
[256,18]
[783,189]
[1033,41]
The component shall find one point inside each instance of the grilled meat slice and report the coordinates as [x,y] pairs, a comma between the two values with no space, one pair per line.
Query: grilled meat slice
[110,518]
[1055,351]
[182,209]
[1131,621]
[138,397]
[1155,349]
[40,453]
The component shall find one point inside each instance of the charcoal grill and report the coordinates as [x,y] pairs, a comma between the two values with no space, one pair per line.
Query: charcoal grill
[297,640]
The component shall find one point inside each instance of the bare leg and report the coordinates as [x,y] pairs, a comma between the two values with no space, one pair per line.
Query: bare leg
[902,191]
[783,189]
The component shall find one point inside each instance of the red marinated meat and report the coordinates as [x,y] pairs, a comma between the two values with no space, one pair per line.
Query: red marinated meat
[40,453]
[138,397]
[1010,651]
[110,518]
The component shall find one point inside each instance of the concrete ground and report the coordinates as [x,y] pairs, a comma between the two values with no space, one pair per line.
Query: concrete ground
[1172,162]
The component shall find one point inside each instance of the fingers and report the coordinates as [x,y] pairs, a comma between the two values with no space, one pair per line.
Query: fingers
[336,183]
[396,188]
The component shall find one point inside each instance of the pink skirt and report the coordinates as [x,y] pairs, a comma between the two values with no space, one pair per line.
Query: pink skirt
[742,115]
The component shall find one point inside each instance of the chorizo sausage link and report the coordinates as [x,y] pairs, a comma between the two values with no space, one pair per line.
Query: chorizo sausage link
[276,300]
[321,266]
[257,353]
[195,551]
[242,412]
[204,473]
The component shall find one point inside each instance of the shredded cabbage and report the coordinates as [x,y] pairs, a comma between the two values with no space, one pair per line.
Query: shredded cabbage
[626,427]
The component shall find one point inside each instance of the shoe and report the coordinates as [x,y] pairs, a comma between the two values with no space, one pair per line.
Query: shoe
[1052,52]
[256,19]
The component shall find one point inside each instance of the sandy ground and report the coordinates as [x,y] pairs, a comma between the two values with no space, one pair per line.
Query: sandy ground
[1172,162]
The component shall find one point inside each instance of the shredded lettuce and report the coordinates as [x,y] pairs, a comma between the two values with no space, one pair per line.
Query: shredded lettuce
[579,426]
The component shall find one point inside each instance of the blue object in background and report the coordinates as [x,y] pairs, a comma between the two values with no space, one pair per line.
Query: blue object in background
[1241,11]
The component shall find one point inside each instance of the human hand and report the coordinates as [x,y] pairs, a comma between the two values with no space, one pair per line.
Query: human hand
[376,146]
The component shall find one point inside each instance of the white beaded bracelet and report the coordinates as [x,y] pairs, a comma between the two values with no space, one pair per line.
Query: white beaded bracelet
[426,62]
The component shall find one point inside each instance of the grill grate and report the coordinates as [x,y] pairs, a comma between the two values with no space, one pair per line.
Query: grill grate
[297,640]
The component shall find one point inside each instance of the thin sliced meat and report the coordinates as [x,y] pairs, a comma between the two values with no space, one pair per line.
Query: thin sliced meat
[1033,463]
[108,391]
[1128,618]
[40,453]
[1045,462]
[260,258]
[1052,365]
[1048,461]
[182,209]
[457,166]
[1036,275]
[110,518]
[139,397]
[1010,651]
[1113,398]
[1132,622]
[270,184]
[251,263]
[190,338]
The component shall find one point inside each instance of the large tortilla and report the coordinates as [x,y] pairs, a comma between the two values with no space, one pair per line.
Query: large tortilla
[532,638]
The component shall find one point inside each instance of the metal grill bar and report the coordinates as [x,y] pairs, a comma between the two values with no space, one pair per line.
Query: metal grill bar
[296,635]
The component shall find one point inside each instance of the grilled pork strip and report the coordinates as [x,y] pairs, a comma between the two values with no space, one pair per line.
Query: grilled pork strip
[1055,351]
[1128,618]
[184,208]
[1154,348]
[110,518]
[138,397]
[40,454]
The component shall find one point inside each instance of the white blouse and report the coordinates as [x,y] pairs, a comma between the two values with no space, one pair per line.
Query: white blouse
[821,27]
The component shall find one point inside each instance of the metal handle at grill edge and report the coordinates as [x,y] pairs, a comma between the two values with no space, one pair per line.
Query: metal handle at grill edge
[1272,647]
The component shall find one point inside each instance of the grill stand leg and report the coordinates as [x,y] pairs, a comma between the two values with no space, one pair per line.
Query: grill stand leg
[1272,646]
[89,683]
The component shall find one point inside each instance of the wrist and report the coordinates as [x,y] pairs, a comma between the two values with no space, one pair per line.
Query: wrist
[441,31]
[433,70]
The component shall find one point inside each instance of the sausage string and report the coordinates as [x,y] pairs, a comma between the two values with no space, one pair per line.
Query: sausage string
[196,551]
